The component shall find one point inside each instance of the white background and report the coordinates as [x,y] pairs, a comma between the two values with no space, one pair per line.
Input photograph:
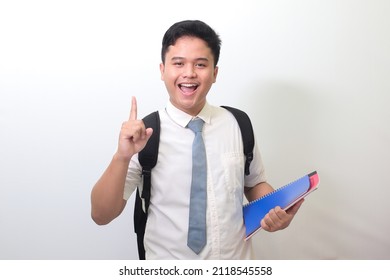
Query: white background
[313,75]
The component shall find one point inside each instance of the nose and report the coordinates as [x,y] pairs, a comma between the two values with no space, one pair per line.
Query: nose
[189,71]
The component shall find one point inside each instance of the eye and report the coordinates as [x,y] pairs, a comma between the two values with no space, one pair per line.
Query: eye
[200,65]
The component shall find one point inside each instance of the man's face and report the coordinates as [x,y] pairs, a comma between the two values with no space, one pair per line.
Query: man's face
[188,74]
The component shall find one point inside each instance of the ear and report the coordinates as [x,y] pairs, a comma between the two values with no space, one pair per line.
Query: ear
[162,70]
[215,73]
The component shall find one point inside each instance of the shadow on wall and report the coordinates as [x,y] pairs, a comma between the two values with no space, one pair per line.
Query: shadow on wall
[303,129]
[284,116]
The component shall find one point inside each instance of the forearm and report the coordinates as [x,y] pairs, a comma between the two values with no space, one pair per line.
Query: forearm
[107,195]
[257,191]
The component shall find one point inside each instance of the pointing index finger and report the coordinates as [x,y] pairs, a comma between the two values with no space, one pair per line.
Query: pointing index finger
[133,109]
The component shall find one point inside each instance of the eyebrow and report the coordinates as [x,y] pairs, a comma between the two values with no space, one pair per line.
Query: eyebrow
[197,59]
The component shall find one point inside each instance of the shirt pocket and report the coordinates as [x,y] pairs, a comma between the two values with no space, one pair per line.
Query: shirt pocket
[233,165]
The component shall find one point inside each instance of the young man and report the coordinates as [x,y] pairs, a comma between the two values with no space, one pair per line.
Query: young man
[190,54]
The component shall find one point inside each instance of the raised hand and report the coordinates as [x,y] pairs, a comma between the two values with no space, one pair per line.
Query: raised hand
[133,135]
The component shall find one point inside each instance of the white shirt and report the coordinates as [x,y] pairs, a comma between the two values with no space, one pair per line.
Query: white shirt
[167,224]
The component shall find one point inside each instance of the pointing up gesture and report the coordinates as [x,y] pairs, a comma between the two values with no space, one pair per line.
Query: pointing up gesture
[133,135]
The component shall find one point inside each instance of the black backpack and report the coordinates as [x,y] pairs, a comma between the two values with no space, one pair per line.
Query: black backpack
[148,159]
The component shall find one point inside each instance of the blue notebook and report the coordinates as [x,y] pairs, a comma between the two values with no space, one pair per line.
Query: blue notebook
[284,197]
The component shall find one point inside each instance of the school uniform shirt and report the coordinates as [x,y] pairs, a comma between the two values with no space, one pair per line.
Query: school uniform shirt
[167,224]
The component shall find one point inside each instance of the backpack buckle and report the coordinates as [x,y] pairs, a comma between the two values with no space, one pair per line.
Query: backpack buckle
[249,158]
[146,171]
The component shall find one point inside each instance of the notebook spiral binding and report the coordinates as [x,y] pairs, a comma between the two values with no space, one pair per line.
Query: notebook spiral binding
[274,191]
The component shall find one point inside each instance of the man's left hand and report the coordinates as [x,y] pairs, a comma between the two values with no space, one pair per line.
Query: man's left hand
[278,218]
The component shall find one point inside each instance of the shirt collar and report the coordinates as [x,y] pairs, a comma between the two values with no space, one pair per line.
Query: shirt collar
[182,118]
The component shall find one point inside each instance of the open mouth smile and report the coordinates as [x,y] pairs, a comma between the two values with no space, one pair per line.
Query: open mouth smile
[188,88]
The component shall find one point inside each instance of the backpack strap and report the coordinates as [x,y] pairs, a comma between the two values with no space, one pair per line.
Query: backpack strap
[148,159]
[248,138]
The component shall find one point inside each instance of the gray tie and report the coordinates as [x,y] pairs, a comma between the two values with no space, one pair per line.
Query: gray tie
[197,219]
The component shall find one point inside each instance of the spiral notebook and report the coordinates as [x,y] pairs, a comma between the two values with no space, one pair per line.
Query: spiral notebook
[284,197]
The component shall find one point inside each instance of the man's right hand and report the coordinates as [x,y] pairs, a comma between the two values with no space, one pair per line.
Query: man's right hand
[133,135]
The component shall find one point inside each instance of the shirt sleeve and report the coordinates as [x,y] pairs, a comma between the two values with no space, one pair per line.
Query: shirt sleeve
[133,177]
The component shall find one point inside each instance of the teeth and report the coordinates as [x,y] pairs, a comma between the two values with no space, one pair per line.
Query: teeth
[188,85]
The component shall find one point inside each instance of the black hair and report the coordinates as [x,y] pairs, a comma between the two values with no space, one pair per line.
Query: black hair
[192,28]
